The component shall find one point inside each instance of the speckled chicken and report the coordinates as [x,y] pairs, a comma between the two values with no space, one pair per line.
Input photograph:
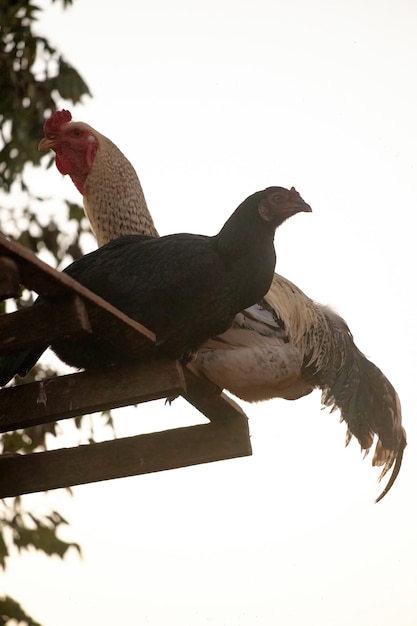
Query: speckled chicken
[112,194]
[284,346]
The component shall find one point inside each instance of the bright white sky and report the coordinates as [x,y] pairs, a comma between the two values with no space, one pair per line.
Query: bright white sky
[212,101]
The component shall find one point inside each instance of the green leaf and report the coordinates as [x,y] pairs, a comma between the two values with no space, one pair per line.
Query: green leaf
[69,83]
[42,537]
[11,610]
[27,98]
[4,552]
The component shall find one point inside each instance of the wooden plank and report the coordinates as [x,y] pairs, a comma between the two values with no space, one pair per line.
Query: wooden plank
[209,399]
[34,273]
[9,279]
[42,324]
[107,321]
[130,456]
[87,392]
[226,436]
[104,318]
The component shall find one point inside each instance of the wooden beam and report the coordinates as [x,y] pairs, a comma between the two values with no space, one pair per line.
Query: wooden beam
[130,456]
[42,324]
[9,279]
[87,392]
[226,436]
[34,273]
[104,318]
[207,398]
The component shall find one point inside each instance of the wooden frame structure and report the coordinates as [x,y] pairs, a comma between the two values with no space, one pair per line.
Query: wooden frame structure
[72,311]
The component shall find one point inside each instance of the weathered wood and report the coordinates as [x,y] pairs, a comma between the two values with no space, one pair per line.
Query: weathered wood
[86,392]
[72,311]
[124,457]
[9,279]
[34,273]
[104,318]
[209,399]
[40,325]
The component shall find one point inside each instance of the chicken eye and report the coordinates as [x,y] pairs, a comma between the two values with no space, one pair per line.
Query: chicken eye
[76,132]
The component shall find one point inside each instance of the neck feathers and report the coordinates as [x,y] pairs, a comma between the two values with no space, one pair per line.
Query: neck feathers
[113,197]
[245,231]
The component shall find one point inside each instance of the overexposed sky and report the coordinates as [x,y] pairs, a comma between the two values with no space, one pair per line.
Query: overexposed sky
[212,101]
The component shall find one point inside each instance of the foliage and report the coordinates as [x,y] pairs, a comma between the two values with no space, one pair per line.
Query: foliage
[34,81]
[11,610]
[27,531]
[33,76]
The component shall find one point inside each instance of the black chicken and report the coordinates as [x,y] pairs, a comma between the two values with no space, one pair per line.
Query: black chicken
[186,288]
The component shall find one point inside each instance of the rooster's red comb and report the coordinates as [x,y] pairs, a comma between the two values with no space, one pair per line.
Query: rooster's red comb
[57,119]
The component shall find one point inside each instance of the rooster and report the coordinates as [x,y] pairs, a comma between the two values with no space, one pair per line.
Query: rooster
[113,197]
[283,347]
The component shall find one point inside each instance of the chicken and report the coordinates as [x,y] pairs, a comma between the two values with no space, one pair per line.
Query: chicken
[113,198]
[185,288]
[283,347]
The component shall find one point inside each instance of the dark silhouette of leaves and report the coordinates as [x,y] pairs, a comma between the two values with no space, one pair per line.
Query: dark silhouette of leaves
[10,609]
[34,80]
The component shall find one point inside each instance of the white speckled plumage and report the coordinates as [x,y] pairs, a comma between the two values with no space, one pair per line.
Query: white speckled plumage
[113,197]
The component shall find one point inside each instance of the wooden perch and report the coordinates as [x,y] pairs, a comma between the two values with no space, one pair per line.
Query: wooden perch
[71,310]
[129,456]
[22,329]
[104,318]
[87,392]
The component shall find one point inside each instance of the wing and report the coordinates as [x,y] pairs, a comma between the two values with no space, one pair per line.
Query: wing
[174,285]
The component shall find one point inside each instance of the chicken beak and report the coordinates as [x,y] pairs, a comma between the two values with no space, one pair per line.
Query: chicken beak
[299,207]
[305,207]
[46,144]
[296,207]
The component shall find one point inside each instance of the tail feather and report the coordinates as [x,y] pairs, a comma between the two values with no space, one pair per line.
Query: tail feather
[350,383]
[367,401]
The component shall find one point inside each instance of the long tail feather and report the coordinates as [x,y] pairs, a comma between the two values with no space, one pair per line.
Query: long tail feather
[367,401]
[350,383]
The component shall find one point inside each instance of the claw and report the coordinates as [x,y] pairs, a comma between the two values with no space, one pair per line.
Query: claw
[170,400]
